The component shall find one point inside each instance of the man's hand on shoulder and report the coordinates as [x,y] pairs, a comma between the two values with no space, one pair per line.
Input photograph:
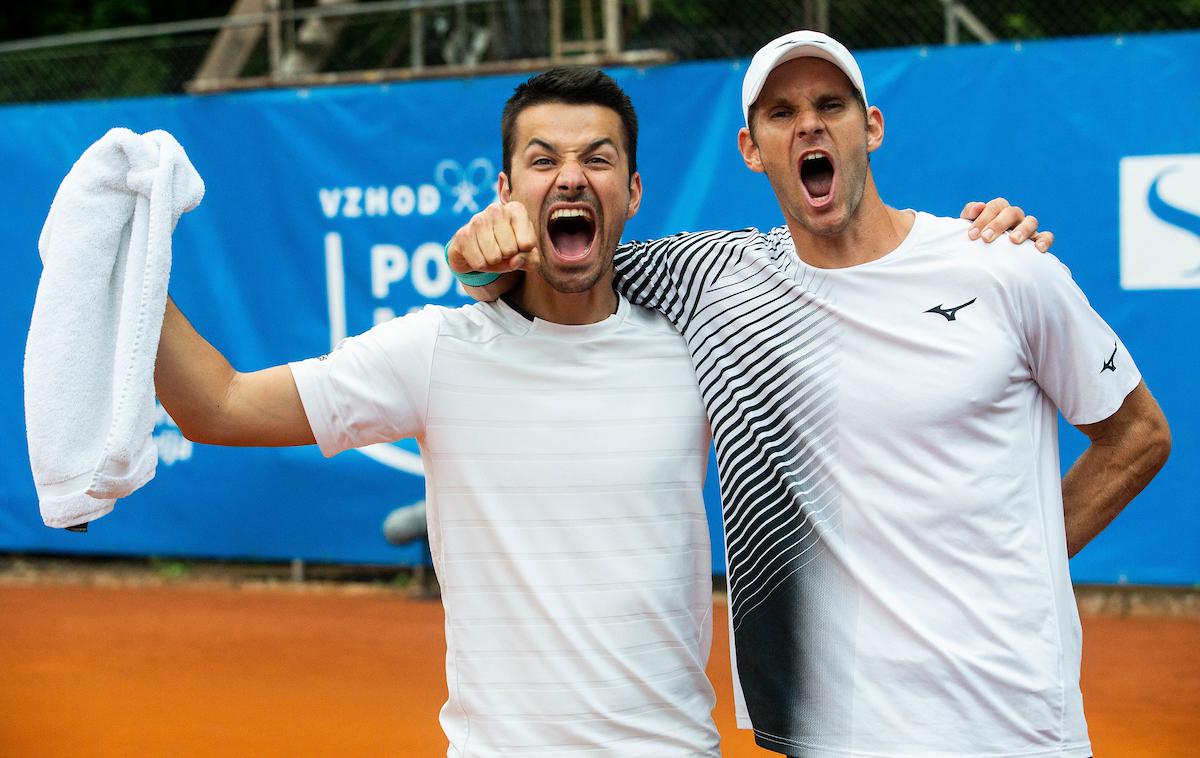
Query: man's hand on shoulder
[990,220]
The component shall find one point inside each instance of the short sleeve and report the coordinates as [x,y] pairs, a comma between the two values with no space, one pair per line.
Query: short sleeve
[642,275]
[373,387]
[1075,357]
[670,274]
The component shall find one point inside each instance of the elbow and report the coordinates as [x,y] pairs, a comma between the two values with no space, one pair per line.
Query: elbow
[185,419]
[1159,443]
[200,434]
[1150,442]
[205,428]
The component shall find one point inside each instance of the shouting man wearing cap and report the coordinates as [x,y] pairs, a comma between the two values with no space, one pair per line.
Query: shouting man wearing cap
[883,398]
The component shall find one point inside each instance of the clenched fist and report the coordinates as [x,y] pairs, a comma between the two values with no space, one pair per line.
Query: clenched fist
[500,238]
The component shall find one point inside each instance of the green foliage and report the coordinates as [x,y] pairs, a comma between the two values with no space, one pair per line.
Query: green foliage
[45,17]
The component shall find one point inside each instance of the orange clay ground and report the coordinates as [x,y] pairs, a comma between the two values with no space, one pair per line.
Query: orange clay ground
[261,671]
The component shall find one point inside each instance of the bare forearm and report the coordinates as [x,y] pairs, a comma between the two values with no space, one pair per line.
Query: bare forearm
[1114,469]
[1100,484]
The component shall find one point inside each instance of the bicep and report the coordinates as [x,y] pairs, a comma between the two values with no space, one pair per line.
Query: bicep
[263,408]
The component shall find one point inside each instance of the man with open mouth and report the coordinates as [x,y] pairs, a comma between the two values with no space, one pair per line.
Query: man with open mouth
[883,398]
[574,566]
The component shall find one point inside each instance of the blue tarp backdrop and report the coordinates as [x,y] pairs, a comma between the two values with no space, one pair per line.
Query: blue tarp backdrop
[326,210]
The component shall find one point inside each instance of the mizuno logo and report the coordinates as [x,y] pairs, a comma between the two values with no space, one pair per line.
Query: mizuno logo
[1108,364]
[949,313]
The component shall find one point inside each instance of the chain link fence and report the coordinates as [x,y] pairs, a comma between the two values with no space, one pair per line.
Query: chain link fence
[149,66]
[698,29]
[340,41]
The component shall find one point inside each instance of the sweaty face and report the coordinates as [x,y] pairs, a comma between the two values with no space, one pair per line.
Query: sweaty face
[571,173]
[812,140]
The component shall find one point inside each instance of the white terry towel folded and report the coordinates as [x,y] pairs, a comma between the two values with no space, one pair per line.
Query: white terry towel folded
[89,361]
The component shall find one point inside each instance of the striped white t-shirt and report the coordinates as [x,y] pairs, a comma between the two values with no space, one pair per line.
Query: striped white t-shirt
[564,467]
[887,445]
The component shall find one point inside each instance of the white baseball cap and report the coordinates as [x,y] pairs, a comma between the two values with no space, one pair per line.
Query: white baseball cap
[801,44]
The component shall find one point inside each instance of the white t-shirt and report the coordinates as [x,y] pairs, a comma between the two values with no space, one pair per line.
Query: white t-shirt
[887,442]
[564,468]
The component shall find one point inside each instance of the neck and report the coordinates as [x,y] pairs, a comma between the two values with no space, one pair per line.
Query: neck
[871,233]
[535,297]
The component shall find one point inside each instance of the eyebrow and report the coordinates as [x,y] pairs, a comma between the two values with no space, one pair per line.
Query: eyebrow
[823,97]
[589,149]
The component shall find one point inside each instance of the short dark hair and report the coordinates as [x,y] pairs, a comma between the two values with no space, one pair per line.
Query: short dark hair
[572,85]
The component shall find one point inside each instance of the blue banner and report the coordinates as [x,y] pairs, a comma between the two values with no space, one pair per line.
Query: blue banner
[326,211]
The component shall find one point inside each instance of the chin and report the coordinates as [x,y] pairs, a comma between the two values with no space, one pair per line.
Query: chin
[570,282]
[824,224]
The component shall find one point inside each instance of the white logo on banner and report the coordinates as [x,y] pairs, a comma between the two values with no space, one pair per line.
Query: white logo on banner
[1160,222]
[465,189]
[389,263]
[465,182]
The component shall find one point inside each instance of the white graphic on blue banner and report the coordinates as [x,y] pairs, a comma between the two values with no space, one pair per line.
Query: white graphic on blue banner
[465,183]
[1160,222]
[468,186]
[389,264]
[381,200]
[375,269]
[172,446]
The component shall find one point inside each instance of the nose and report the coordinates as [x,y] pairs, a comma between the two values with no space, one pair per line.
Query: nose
[809,123]
[571,177]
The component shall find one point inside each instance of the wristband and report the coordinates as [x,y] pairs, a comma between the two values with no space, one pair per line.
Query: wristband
[472,278]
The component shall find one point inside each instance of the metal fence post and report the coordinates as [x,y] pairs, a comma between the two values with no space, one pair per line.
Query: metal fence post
[416,31]
[556,30]
[956,13]
[951,23]
[816,15]
[612,26]
[274,30]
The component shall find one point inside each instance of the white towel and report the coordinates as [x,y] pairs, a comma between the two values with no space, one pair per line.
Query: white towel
[89,361]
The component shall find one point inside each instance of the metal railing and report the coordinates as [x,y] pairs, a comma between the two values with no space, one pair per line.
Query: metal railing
[264,43]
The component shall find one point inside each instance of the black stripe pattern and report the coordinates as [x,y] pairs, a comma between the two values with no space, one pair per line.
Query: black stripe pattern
[764,343]
[763,338]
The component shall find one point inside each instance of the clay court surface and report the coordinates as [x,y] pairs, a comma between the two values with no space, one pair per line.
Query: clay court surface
[207,670]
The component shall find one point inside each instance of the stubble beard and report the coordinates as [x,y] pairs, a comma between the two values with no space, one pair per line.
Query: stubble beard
[575,281]
[855,187]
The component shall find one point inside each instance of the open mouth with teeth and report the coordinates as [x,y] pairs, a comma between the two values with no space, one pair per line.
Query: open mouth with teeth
[572,232]
[816,174]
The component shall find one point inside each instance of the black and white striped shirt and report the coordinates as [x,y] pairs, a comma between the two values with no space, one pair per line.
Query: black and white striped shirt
[763,343]
[887,445]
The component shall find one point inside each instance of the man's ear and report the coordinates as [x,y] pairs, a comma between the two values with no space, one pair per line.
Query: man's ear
[635,196]
[503,188]
[874,129]
[749,151]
